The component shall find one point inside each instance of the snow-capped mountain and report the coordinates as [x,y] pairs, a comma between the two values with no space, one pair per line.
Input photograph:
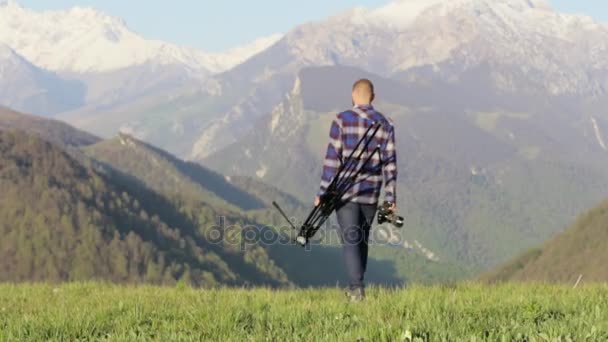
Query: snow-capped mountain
[511,45]
[400,14]
[114,64]
[404,34]
[226,60]
[83,40]
[27,88]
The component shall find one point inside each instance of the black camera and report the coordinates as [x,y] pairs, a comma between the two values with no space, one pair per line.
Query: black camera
[385,214]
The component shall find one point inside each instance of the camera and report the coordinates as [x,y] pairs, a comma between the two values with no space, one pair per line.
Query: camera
[385,214]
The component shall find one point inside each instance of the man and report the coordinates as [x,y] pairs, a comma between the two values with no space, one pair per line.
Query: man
[358,207]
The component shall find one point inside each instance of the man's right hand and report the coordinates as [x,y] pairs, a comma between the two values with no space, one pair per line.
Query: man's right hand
[317,201]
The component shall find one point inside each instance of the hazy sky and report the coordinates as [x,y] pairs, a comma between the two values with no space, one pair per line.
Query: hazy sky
[215,25]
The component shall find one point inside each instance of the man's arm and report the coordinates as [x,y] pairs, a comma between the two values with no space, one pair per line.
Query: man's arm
[390,168]
[333,156]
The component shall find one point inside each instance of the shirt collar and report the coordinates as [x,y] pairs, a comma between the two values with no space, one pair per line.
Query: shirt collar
[364,110]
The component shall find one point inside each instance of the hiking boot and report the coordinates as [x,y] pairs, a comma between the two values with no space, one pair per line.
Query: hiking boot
[355,295]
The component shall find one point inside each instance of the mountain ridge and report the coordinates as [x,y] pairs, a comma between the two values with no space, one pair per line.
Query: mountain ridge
[577,252]
[107,64]
[181,177]
[54,131]
[57,48]
[65,221]
[511,46]
[39,90]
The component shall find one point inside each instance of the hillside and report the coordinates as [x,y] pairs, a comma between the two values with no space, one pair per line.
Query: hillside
[53,131]
[480,181]
[63,221]
[39,91]
[171,176]
[249,201]
[581,250]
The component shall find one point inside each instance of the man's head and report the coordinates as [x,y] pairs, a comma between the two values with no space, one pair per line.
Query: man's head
[363,92]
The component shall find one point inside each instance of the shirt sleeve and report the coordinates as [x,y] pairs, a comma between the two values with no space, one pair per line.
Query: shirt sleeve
[333,157]
[390,168]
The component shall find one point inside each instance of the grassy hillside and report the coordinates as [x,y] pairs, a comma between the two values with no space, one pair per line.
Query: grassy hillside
[581,250]
[459,313]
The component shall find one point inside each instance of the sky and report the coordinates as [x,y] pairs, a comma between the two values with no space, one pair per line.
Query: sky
[216,25]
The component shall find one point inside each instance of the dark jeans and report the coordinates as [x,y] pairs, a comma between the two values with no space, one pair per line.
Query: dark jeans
[355,222]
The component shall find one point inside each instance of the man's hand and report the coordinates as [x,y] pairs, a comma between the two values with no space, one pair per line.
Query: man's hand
[393,207]
[317,201]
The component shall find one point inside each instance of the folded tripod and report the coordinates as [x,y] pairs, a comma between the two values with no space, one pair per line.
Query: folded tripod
[347,176]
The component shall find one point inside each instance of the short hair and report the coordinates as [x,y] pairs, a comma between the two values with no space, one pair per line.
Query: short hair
[364,86]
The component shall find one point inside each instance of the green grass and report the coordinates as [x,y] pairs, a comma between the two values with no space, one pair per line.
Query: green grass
[461,312]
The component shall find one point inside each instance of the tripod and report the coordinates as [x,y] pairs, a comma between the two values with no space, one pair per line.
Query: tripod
[347,176]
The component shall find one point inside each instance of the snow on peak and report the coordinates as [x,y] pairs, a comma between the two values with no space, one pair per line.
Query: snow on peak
[402,13]
[257,45]
[77,40]
[84,40]
[238,55]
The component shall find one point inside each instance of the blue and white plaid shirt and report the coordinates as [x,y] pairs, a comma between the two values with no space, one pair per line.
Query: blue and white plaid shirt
[346,130]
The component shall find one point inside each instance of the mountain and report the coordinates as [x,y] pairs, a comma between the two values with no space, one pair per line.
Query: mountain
[406,34]
[56,132]
[107,63]
[510,44]
[493,127]
[65,221]
[481,180]
[502,139]
[579,251]
[39,91]
[60,207]
[227,60]
[169,175]
[83,40]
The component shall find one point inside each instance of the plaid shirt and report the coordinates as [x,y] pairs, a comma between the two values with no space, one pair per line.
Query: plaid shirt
[346,131]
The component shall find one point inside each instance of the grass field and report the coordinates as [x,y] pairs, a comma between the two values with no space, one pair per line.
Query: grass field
[462,312]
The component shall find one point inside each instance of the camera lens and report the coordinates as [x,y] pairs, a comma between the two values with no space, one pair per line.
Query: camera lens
[398,221]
